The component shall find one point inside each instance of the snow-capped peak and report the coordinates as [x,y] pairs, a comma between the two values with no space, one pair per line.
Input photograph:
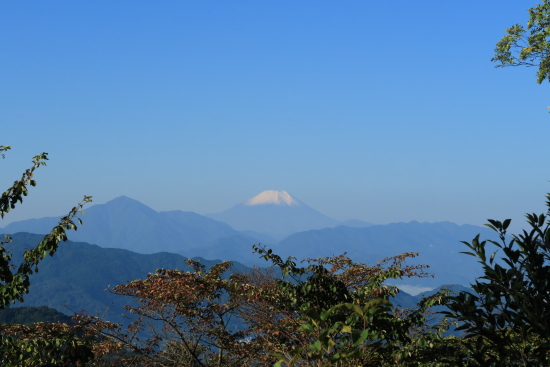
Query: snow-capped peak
[273,197]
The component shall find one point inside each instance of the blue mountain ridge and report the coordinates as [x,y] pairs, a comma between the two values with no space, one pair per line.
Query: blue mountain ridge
[125,223]
[128,224]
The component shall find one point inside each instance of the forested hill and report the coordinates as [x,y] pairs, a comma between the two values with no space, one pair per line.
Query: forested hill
[75,278]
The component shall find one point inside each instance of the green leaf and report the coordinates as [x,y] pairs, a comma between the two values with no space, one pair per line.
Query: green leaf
[346,329]
[358,336]
[308,327]
[352,307]
[315,346]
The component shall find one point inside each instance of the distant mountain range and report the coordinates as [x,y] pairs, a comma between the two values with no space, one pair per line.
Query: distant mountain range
[128,224]
[438,244]
[125,223]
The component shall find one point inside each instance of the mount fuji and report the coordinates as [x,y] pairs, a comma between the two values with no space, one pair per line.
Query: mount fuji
[275,213]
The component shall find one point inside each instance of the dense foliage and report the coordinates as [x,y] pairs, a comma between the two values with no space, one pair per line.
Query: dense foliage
[507,320]
[331,310]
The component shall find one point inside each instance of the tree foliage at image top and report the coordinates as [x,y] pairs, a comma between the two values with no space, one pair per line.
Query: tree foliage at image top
[528,46]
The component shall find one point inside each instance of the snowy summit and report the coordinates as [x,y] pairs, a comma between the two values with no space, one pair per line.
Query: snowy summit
[274,213]
[273,197]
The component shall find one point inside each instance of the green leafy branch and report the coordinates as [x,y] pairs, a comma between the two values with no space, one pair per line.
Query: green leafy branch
[528,46]
[19,188]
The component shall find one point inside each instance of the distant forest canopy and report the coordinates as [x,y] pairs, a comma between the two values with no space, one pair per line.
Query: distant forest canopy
[31,315]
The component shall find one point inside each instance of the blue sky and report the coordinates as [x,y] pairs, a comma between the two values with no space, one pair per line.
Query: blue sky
[372,110]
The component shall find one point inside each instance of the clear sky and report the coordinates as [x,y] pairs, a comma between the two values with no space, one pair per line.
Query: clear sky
[381,111]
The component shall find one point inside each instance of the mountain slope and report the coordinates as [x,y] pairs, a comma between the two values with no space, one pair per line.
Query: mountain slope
[275,213]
